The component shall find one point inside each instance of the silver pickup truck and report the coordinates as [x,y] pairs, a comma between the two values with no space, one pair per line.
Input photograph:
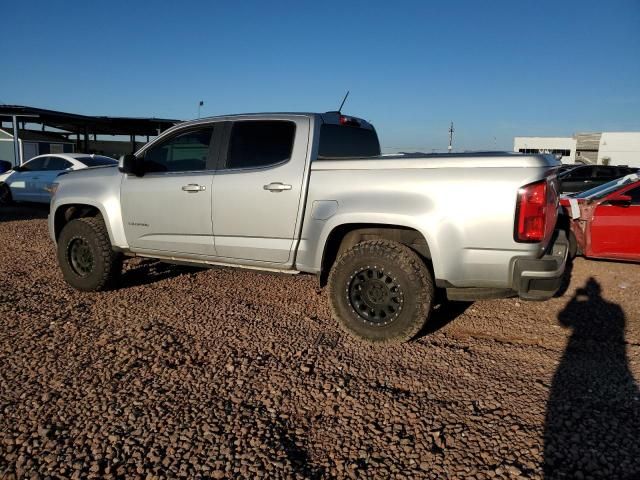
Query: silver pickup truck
[309,192]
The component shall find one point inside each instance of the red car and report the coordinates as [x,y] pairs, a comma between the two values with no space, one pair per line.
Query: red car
[605,221]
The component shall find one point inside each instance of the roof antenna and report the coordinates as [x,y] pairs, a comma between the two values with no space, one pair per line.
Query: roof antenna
[343,100]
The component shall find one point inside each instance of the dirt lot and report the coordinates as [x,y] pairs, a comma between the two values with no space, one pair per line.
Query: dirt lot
[221,373]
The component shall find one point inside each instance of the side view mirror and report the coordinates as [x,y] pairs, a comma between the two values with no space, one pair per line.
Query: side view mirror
[620,200]
[131,164]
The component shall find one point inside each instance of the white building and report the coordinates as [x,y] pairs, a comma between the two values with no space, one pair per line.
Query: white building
[565,146]
[606,148]
[620,148]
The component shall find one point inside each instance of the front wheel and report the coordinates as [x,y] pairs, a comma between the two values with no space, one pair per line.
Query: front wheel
[85,255]
[5,194]
[381,291]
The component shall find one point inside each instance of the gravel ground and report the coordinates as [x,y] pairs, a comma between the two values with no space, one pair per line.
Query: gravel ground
[219,373]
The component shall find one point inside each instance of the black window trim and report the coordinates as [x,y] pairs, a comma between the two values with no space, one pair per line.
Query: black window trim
[224,152]
[211,156]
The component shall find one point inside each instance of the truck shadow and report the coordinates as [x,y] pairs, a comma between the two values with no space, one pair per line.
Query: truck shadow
[566,279]
[593,412]
[23,211]
[147,271]
[444,312]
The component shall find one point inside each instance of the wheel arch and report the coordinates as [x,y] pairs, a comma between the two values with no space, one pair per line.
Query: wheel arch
[63,214]
[345,236]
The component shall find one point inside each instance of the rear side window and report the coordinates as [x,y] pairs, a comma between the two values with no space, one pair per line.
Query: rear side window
[579,173]
[606,172]
[346,141]
[634,193]
[57,163]
[260,143]
[96,161]
[187,151]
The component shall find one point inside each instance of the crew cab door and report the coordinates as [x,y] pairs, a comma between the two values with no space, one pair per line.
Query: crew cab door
[52,168]
[258,188]
[615,229]
[23,182]
[168,209]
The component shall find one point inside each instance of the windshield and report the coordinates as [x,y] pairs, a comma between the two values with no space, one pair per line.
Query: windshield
[97,161]
[606,188]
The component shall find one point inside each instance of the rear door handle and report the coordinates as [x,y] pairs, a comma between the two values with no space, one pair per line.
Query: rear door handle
[193,187]
[277,187]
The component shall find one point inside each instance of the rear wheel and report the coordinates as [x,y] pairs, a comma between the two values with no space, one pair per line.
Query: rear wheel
[85,255]
[381,291]
[5,194]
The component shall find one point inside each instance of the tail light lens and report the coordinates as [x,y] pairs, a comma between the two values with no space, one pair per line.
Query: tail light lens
[531,212]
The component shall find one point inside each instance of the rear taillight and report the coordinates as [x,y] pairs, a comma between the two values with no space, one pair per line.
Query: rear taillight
[531,212]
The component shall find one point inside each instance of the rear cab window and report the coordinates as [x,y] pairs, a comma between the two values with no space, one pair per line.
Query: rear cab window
[347,137]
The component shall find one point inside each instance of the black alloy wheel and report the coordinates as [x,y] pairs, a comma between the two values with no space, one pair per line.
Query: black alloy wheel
[81,256]
[375,295]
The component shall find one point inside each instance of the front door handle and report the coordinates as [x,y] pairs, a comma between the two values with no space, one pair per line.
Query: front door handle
[193,187]
[277,187]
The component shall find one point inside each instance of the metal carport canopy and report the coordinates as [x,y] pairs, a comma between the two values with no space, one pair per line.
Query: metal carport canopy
[87,124]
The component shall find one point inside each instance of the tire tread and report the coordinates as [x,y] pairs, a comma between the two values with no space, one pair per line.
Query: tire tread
[112,260]
[409,262]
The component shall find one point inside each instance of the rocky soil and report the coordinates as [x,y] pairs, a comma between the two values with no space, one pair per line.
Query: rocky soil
[187,373]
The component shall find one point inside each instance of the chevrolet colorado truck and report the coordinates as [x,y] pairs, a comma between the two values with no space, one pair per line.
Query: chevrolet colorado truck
[311,193]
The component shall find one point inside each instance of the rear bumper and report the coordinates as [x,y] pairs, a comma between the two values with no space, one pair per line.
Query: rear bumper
[541,278]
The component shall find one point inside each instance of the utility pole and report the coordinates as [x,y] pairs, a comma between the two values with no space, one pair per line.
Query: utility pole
[450,137]
[199,107]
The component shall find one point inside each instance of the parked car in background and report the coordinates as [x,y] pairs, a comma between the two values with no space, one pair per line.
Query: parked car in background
[5,166]
[605,220]
[584,177]
[31,181]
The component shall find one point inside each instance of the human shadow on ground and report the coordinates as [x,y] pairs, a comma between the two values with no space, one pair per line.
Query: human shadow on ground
[592,425]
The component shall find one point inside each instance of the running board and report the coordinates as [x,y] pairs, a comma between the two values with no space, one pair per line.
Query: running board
[208,263]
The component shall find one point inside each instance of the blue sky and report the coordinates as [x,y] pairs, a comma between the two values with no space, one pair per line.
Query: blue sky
[496,68]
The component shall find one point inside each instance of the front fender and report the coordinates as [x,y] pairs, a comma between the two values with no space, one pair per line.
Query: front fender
[109,209]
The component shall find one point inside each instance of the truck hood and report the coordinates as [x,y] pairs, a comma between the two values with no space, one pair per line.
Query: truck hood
[92,172]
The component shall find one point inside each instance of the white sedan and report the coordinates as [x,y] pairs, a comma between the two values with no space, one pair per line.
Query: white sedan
[31,181]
